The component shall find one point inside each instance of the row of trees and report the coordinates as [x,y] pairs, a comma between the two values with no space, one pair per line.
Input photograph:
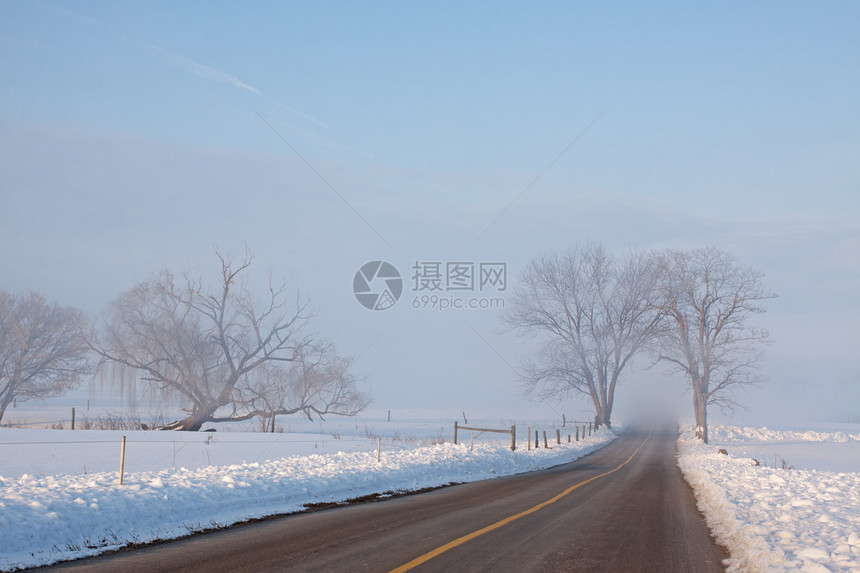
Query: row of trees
[228,356]
[595,312]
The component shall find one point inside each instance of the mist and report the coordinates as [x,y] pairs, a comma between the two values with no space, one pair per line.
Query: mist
[385,143]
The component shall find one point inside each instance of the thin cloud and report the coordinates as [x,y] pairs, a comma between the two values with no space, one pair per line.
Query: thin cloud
[298,113]
[182,62]
[202,71]
[208,73]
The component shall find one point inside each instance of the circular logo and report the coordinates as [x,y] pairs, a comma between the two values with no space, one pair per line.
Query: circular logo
[377,285]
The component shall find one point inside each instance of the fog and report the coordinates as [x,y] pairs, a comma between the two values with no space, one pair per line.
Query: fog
[136,138]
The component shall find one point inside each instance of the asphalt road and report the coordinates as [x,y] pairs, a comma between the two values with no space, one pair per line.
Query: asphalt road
[624,508]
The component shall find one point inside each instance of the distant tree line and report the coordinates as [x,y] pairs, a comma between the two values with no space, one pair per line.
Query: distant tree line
[594,311]
[229,356]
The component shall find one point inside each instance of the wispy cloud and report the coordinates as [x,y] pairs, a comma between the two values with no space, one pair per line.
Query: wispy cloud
[202,71]
[208,73]
[181,62]
[299,113]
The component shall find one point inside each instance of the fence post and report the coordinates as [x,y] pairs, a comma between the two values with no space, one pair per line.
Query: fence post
[577,433]
[73,417]
[273,422]
[513,438]
[455,432]
[529,439]
[122,461]
[568,438]
[589,428]
[537,439]
[545,444]
[558,436]
[378,448]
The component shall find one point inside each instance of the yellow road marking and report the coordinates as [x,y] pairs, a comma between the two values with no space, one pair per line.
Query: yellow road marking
[461,540]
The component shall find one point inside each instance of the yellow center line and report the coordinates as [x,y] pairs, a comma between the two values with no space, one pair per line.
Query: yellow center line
[461,540]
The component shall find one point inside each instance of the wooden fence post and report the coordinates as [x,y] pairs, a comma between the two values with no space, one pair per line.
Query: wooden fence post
[122,461]
[73,417]
[589,428]
[455,432]
[378,448]
[558,436]
[568,438]
[577,433]
[529,439]
[545,444]
[513,438]
[537,439]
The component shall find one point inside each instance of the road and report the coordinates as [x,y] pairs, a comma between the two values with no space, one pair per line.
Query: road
[624,508]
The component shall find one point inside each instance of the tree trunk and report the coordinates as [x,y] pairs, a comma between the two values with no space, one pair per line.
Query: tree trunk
[700,406]
[5,404]
[192,423]
[602,418]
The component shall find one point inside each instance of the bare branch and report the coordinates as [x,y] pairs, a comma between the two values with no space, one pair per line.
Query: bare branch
[220,349]
[42,351]
[595,312]
[706,301]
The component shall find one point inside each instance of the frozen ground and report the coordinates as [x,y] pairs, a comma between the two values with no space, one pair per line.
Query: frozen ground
[799,510]
[60,498]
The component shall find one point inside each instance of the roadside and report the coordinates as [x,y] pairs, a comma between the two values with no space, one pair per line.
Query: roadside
[73,516]
[624,507]
[773,516]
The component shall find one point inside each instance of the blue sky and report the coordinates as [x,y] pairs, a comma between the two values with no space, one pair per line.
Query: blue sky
[134,136]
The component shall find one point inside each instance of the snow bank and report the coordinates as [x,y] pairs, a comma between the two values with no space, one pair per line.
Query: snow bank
[50,518]
[770,518]
[733,434]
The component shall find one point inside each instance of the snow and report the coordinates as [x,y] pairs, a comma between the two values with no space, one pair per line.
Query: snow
[799,510]
[60,498]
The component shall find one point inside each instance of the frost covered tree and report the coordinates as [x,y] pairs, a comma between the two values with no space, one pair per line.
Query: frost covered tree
[707,301]
[42,354]
[594,312]
[229,357]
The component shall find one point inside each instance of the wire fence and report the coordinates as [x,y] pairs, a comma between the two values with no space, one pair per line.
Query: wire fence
[99,453]
[98,448]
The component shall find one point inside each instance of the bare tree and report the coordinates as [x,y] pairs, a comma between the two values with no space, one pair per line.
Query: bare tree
[707,300]
[318,382]
[229,357]
[596,312]
[42,354]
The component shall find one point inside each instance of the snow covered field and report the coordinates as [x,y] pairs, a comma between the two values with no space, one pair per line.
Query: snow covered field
[60,498]
[799,510]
